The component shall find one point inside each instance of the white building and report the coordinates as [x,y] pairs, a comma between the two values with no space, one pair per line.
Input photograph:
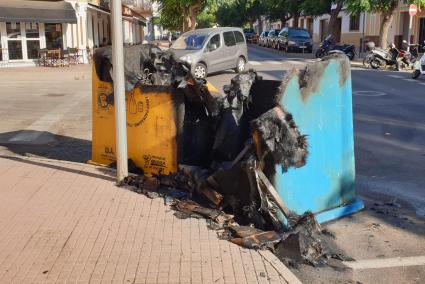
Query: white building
[28,26]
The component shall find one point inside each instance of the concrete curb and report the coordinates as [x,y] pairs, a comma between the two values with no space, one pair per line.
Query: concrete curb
[283,271]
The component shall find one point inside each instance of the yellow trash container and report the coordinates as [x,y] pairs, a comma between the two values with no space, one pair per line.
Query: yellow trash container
[151,127]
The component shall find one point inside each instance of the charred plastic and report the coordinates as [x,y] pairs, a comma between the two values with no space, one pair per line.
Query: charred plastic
[230,145]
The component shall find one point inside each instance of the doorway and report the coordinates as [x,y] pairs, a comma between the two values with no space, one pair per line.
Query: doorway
[14,40]
[323,29]
[421,33]
[338,24]
[53,34]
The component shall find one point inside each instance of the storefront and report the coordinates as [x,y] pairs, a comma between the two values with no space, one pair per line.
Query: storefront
[28,26]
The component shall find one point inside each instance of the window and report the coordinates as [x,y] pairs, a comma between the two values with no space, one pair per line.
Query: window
[214,40]
[14,40]
[299,33]
[32,34]
[190,42]
[354,22]
[53,33]
[229,39]
[239,37]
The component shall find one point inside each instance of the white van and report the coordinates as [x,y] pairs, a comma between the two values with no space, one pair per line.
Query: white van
[212,50]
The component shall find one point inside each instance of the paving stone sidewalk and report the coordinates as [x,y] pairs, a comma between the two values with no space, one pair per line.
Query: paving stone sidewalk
[64,222]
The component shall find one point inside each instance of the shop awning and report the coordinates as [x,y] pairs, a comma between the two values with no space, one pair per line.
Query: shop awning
[36,11]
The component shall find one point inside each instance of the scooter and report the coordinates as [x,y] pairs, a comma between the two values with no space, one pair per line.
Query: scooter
[419,67]
[379,57]
[327,46]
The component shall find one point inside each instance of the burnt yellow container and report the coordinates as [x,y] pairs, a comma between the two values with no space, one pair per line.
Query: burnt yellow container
[151,127]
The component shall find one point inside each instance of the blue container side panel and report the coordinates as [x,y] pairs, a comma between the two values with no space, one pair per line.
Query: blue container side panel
[325,115]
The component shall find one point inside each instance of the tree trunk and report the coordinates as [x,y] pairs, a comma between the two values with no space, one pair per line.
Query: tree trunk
[189,17]
[185,20]
[283,20]
[296,19]
[387,19]
[332,28]
[260,25]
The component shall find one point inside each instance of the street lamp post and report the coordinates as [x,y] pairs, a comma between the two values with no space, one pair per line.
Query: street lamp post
[119,90]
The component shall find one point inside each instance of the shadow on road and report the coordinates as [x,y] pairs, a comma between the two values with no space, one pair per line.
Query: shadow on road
[46,144]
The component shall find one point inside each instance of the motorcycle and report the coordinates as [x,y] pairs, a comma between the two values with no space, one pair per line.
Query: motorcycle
[379,57]
[419,67]
[328,46]
[410,55]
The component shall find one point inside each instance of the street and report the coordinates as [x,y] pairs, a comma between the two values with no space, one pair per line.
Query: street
[47,113]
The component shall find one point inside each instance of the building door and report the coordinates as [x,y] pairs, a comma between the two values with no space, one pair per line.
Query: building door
[310,26]
[14,41]
[32,40]
[421,32]
[53,34]
[323,29]
[338,30]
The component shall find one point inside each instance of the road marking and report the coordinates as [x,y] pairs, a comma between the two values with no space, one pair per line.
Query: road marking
[410,80]
[389,121]
[386,262]
[369,93]
[274,62]
[396,76]
[254,63]
[44,123]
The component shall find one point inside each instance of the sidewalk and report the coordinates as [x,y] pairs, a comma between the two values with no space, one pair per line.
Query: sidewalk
[64,222]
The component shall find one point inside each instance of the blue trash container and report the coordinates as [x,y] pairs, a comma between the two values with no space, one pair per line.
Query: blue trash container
[323,111]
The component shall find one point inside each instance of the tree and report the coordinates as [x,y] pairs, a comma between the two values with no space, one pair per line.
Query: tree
[283,10]
[229,14]
[207,18]
[320,7]
[180,14]
[239,12]
[385,8]
[277,10]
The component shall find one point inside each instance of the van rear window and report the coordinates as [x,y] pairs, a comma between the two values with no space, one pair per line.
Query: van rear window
[239,37]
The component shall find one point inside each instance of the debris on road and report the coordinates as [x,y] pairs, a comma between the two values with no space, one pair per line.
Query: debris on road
[229,147]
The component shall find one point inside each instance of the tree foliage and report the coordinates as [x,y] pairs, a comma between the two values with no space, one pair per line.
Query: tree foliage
[180,14]
[207,18]
[239,12]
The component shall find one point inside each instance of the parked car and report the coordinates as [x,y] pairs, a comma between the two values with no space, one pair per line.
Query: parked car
[212,50]
[249,35]
[262,41]
[272,38]
[295,39]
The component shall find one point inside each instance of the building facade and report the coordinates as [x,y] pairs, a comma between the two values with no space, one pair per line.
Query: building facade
[28,26]
[352,29]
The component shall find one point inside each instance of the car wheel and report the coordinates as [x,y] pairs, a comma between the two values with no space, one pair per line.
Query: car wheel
[350,55]
[200,71]
[240,65]
[416,74]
